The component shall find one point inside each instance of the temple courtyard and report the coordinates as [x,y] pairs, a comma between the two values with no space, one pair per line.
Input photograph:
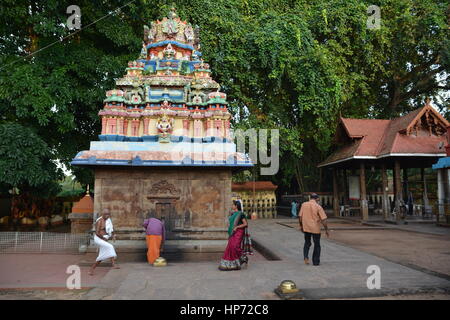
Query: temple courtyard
[414,261]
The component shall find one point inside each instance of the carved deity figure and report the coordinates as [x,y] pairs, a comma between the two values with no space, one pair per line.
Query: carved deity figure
[197,36]
[170,26]
[189,33]
[164,126]
[150,33]
[143,54]
[146,33]
[169,52]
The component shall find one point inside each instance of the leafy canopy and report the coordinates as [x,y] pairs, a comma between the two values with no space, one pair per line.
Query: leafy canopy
[292,65]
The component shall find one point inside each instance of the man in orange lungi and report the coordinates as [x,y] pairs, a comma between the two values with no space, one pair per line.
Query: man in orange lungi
[155,236]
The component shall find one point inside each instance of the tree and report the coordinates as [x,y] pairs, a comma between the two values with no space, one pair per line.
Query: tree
[26,161]
[292,65]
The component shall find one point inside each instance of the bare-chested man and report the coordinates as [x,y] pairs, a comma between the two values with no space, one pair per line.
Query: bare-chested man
[103,232]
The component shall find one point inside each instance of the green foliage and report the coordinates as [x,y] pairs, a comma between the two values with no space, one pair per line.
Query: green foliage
[25,161]
[71,193]
[292,65]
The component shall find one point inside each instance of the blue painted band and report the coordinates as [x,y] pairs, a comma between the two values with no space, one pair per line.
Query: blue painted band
[166,42]
[154,138]
[158,163]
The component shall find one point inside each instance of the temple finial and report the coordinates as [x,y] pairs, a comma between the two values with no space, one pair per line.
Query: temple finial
[173,12]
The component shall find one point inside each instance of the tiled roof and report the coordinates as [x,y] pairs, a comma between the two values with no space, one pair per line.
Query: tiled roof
[373,138]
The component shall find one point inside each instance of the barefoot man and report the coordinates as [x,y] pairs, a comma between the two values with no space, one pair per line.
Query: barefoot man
[103,232]
[155,237]
[310,218]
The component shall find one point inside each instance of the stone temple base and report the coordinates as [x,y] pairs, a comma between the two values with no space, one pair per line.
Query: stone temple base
[174,250]
[194,201]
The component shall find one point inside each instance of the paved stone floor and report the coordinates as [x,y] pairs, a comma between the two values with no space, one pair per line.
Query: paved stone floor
[26,271]
[342,274]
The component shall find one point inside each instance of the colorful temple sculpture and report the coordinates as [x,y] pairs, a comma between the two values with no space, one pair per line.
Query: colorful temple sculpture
[166,145]
[257,198]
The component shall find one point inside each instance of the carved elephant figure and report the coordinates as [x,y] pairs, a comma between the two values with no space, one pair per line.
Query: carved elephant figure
[139,91]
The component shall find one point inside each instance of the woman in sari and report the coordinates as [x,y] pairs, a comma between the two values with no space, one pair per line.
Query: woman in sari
[235,254]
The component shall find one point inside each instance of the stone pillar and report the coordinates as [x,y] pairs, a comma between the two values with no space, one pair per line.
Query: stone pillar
[363,196]
[81,218]
[227,129]
[186,124]
[146,120]
[120,124]
[104,124]
[112,126]
[125,127]
[135,128]
[209,128]
[218,128]
[197,128]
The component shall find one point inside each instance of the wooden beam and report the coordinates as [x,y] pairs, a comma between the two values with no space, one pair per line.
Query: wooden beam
[398,189]
[385,201]
[335,194]
[363,196]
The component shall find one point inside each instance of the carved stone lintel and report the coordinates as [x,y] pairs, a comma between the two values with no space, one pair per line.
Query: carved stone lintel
[163,187]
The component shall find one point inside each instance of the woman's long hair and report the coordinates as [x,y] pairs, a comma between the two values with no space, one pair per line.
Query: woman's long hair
[237,204]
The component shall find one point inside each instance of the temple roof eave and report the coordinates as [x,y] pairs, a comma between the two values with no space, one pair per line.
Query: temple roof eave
[379,158]
[172,42]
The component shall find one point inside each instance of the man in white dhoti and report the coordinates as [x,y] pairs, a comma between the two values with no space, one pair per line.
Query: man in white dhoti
[103,232]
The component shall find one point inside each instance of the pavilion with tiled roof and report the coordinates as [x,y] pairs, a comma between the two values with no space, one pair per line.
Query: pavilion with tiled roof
[415,140]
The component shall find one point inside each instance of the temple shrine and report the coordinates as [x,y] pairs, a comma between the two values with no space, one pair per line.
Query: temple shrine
[166,145]
[414,140]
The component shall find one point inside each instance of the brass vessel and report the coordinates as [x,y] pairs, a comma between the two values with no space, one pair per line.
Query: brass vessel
[288,286]
[160,262]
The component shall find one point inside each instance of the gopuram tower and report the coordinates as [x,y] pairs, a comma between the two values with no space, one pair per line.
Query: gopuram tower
[165,146]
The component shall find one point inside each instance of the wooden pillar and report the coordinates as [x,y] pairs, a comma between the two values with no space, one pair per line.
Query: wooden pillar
[335,194]
[440,195]
[398,189]
[406,190]
[425,190]
[385,201]
[405,184]
[346,195]
[363,196]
